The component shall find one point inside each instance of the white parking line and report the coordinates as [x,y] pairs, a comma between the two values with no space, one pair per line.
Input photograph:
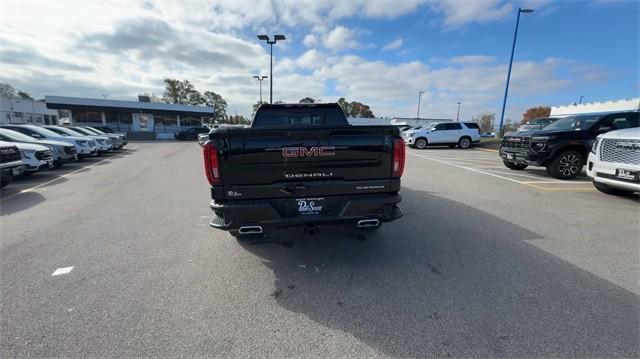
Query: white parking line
[468,168]
[58,178]
[61,271]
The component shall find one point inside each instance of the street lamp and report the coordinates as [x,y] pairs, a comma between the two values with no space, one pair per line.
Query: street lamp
[581,97]
[266,38]
[260,78]
[513,47]
[458,115]
[419,96]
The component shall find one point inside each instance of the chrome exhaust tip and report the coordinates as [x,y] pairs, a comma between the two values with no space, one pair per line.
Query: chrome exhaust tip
[250,230]
[367,223]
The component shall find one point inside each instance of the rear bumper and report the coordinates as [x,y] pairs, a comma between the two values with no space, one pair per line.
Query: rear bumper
[278,213]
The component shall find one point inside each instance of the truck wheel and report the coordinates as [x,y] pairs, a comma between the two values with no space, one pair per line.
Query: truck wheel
[566,165]
[611,190]
[514,166]
[464,143]
[421,143]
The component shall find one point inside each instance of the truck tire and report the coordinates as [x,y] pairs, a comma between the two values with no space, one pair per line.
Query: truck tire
[421,143]
[464,143]
[611,190]
[515,166]
[566,165]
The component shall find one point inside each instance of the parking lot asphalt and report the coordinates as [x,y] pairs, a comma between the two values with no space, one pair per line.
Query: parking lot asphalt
[485,262]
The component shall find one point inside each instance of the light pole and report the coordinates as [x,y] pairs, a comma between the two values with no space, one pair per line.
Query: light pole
[260,78]
[266,38]
[513,47]
[419,96]
[458,115]
[581,97]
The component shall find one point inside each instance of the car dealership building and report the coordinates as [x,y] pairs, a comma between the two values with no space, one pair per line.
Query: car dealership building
[140,119]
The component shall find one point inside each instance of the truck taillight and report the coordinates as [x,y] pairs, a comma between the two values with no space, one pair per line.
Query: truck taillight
[211,163]
[398,157]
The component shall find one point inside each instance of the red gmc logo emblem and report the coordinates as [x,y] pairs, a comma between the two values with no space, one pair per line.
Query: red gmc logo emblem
[316,151]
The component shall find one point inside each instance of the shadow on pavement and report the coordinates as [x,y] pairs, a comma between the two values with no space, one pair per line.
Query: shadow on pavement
[452,280]
[22,202]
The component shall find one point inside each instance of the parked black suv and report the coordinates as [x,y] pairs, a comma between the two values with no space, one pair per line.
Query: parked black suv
[191,133]
[563,146]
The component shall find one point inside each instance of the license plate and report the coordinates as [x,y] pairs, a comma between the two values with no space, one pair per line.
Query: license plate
[628,175]
[510,156]
[310,205]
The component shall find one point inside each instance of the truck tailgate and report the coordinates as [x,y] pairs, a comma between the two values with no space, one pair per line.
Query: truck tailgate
[298,162]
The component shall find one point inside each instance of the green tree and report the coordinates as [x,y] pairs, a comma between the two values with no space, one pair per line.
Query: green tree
[307,100]
[181,92]
[24,95]
[355,109]
[7,90]
[218,103]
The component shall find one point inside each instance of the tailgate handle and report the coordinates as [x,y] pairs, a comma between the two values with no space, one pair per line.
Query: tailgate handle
[293,189]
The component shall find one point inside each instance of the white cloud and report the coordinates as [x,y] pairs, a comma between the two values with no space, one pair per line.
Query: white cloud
[395,44]
[310,40]
[123,49]
[460,12]
[311,59]
[340,38]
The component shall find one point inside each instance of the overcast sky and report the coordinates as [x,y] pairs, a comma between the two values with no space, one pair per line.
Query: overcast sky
[380,52]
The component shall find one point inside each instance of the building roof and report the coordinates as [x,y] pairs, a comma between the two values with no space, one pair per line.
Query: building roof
[62,102]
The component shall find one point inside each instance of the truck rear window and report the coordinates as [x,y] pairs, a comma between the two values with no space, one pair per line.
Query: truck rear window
[299,117]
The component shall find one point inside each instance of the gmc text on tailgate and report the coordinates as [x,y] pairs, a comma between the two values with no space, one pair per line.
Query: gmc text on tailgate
[303,165]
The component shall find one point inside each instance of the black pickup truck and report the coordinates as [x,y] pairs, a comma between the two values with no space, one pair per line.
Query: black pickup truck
[303,165]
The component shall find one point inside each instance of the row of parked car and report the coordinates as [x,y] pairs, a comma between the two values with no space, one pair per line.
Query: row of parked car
[607,143]
[26,149]
[452,134]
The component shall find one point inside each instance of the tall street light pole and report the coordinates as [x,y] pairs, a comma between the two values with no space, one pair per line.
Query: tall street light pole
[269,41]
[458,114]
[513,47]
[260,78]
[419,96]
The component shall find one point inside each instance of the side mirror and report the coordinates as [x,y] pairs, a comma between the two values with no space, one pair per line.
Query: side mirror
[604,129]
[36,135]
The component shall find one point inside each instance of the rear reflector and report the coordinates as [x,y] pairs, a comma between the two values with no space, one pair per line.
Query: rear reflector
[211,164]
[398,157]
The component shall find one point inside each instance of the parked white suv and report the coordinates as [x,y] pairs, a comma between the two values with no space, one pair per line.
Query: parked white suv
[462,134]
[614,162]
[35,157]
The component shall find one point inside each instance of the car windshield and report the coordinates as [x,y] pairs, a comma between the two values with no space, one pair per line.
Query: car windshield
[83,132]
[68,131]
[574,123]
[44,131]
[95,130]
[15,135]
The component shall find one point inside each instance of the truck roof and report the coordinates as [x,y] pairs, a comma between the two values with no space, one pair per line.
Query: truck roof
[298,105]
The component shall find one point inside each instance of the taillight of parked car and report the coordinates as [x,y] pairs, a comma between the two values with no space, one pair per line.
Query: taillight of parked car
[398,157]
[211,163]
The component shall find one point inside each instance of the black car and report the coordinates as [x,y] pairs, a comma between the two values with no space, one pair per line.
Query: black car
[563,146]
[191,133]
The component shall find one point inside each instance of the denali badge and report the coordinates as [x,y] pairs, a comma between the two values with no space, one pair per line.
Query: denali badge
[631,146]
[309,175]
[315,151]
